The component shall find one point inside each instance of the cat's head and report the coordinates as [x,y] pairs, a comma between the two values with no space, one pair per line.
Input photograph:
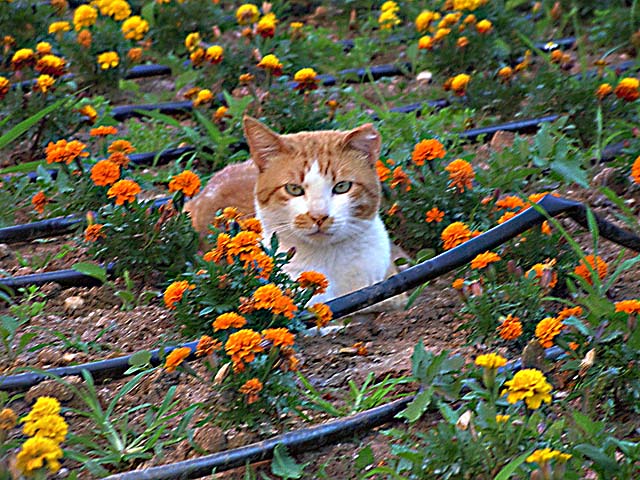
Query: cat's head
[318,187]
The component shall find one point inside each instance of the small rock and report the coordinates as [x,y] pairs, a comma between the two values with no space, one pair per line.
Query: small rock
[52,388]
[210,438]
[501,140]
[424,77]
[5,251]
[73,303]
[69,357]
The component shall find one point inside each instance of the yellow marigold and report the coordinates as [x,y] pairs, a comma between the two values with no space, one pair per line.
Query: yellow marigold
[461,174]
[270,297]
[49,426]
[247,13]
[631,307]
[214,54]
[175,358]
[322,312]
[242,347]
[220,113]
[43,48]
[502,418]
[279,337]
[123,146]
[43,407]
[89,112]
[266,27]
[529,385]
[510,328]
[459,83]
[627,89]
[57,27]
[434,215]
[511,202]
[543,456]
[490,360]
[389,6]
[103,131]
[251,388]
[36,453]
[547,329]
[306,78]
[424,20]
[440,34]
[271,63]
[192,41]
[94,232]
[228,320]
[135,28]
[569,312]
[484,26]
[63,151]
[400,178]
[84,16]
[383,172]
[105,173]
[427,150]
[174,292]
[425,42]
[246,78]
[124,191]
[482,260]
[455,234]
[22,58]
[4,87]
[203,96]
[596,263]
[108,60]
[603,90]
[186,182]
[635,170]
[51,65]
[462,42]
[296,25]
[84,38]
[39,201]
[388,19]
[544,272]
[116,9]
[8,419]
[505,73]
[207,345]
[314,281]
[44,83]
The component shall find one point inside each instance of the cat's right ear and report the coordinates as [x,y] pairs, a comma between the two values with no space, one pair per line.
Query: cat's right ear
[263,142]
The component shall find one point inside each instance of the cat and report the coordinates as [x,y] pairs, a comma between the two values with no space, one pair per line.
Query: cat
[319,192]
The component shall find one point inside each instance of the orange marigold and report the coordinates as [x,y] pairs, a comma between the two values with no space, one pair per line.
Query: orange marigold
[547,329]
[251,389]
[175,358]
[260,261]
[242,347]
[94,232]
[220,251]
[544,272]
[510,328]
[63,151]
[207,345]
[627,89]
[280,337]
[123,146]
[569,312]
[510,202]
[244,245]
[458,283]
[455,234]
[434,215]
[228,320]
[39,201]
[596,263]
[482,260]
[104,173]
[186,182]
[603,90]
[103,131]
[630,307]
[545,228]
[635,170]
[400,178]
[120,159]
[427,150]
[270,297]
[383,172]
[174,292]
[124,191]
[506,216]
[251,225]
[322,312]
[314,281]
[461,174]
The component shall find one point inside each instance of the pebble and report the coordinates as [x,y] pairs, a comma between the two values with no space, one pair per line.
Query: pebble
[73,303]
[5,251]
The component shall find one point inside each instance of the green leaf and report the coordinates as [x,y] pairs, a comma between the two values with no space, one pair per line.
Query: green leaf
[148,13]
[364,458]
[92,270]
[25,125]
[589,427]
[23,167]
[140,359]
[511,467]
[570,171]
[418,406]
[284,465]
[598,456]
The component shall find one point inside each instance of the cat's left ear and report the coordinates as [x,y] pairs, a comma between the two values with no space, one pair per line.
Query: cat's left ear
[365,139]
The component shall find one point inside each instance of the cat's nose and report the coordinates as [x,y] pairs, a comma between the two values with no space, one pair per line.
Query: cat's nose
[319,219]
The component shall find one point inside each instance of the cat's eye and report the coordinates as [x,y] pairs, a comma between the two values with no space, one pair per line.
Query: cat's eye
[342,187]
[294,189]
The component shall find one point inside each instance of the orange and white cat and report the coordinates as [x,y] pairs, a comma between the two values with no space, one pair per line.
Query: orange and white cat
[319,192]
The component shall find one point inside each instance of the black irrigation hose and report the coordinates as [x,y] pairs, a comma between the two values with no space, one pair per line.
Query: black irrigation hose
[44,228]
[65,278]
[352,302]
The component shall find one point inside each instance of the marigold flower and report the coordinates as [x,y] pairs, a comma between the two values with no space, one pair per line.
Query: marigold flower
[383,172]
[134,54]
[214,54]
[38,452]
[119,159]
[425,42]
[57,27]
[242,347]
[627,89]
[306,78]
[228,320]
[175,358]
[124,191]
[94,232]
[482,260]
[186,182]
[220,251]
[244,243]
[427,150]
[461,174]
[50,65]
[544,272]
[389,6]
[247,14]
[529,385]
[104,173]
[424,20]
[203,96]
[270,297]
[502,418]
[388,19]
[462,42]
[117,9]
[393,209]
[279,337]
[596,263]
[135,28]
[44,48]
[39,201]
[547,329]
[52,427]
[506,216]
[484,26]
[22,58]
[84,16]
[434,215]
[458,283]
[44,83]
[174,293]
[511,202]
[192,41]
[603,90]
[314,281]
[103,131]
[459,84]
[510,328]
[505,73]
[569,312]
[8,419]
[251,389]
[84,38]
[89,112]
[296,26]
[455,234]
[490,360]
[108,60]
[635,170]
[266,27]
[543,456]
[630,307]
[322,312]
[123,146]
[400,178]
[440,34]
[207,345]
[220,113]
[271,63]
[63,151]
[43,407]
[4,87]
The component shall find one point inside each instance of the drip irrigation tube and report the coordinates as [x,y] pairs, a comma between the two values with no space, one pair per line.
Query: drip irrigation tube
[42,229]
[352,302]
[65,278]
